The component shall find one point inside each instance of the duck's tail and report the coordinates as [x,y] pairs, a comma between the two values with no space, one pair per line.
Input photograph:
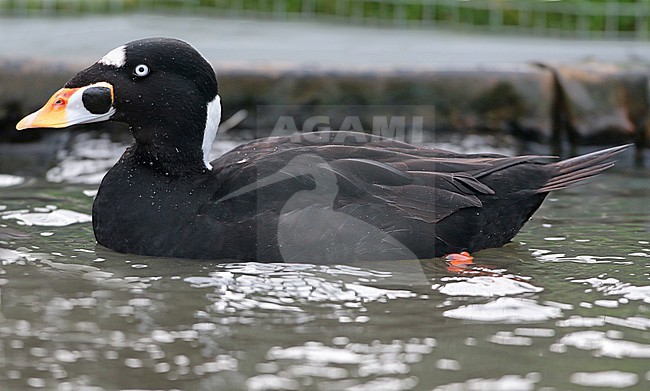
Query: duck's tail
[570,172]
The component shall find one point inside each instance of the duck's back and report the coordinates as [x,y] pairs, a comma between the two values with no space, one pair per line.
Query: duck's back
[432,202]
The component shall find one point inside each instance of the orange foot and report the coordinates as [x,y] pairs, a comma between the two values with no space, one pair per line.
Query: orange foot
[459,262]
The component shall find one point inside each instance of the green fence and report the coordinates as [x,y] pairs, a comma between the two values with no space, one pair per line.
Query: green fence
[585,19]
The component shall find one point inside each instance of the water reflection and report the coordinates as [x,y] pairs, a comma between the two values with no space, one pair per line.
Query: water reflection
[87,160]
[7,180]
[612,286]
[608,344]
[90,155]
[505,310]
[504,383]
[488,287]
[359,360]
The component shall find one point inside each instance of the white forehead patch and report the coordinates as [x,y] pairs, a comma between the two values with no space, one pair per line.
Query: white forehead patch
[116,57]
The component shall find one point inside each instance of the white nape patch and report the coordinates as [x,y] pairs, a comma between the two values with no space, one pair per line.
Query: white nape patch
[211,128]
[116,57]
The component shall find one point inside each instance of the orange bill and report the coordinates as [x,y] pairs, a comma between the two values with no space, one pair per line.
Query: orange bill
[52,115]
[66,108]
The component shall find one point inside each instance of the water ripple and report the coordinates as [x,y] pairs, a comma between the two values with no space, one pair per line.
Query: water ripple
[505,310]
[612,286]
[7,180]
[90,156]
[87,160]
[284,287]
[610,379]
[375,365]
[604,344]
[49,216]
[488,287]
[504,383]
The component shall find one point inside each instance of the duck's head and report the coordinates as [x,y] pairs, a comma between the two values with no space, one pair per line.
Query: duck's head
[162,88]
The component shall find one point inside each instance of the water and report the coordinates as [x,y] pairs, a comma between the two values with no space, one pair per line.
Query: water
[566,306]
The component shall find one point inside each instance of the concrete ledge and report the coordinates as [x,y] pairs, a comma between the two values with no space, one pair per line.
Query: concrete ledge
[479,99]
[585,104]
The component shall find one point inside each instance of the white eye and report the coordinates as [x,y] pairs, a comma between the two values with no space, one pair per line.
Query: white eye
[141,70]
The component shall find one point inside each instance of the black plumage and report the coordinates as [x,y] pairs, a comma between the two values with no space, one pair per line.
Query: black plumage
[317,197]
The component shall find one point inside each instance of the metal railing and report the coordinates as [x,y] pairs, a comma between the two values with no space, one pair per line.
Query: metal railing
[610,19]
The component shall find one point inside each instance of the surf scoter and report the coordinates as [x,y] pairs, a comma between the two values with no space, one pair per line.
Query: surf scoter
[313,197]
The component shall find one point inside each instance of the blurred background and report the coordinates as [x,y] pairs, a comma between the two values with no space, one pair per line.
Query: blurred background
[557,18]
[523,73]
